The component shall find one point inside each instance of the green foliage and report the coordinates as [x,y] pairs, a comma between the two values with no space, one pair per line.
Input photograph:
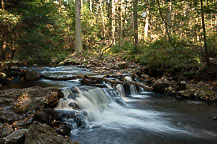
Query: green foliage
[126,46]
[162,55]
[212,43]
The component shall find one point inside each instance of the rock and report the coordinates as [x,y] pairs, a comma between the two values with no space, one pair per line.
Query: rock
[16,137]
[214,118]
[7,115]
[199,90]
[160,85]
[31,75]
[28,99]
[46,116]
[5,129]
[43,134]
[2,77]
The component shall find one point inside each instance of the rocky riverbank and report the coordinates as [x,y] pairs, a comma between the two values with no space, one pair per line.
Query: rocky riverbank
[27,116]
[205,90]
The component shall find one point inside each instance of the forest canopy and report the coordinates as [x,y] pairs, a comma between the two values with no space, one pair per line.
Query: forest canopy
[159,33]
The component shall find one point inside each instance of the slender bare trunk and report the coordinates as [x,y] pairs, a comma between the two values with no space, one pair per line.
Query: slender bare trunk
[102,16]
[204,34]
[169,13]
[113,21]
[120,23]
[3,5]
[165,23]
[78,42]
[135,25]
[147,19]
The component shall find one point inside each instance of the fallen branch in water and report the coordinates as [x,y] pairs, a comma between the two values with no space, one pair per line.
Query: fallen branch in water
[85,77]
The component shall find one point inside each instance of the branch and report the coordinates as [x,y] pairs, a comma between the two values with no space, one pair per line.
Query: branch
[99,79]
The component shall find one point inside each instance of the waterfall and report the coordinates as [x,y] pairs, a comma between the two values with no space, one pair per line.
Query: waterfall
[133,89]
[141,89]
[120,89]
[93,101]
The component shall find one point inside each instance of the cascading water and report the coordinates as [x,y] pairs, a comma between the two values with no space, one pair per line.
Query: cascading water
[133,89]
[92,106]
[120,89]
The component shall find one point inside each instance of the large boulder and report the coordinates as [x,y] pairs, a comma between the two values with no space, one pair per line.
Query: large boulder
[31,75]
[28,99]
[43,134]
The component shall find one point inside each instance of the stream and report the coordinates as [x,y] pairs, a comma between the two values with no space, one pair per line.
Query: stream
[125,114]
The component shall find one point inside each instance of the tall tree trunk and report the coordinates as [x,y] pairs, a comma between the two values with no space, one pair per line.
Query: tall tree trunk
[3,5]
[120,23]
[78,43]
[113,21]
[204,34]
[135,25]
[169,13]
[102,16]
[147,19]
[165,23]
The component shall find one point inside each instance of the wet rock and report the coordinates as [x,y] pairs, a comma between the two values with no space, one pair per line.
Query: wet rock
[2,77]
[16,137]
[7,115]
[31,75]
[214,118]
[74,105]
[160,84]
[43,134]
[28,99]
[47,116]
[63,130]
[5,129]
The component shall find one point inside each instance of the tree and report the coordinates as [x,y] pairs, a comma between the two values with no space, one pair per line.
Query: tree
[204,33]
[135,24]
[78,42]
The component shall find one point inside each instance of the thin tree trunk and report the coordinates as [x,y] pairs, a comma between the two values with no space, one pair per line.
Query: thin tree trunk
[120,23]
[165,23]
[3,5]
[113,21]
[204,34]
[102,16]
[169,13]
[78,42]
[147,19]
[135,25]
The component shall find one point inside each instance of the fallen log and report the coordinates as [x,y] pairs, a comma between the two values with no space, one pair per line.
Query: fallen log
[99,79]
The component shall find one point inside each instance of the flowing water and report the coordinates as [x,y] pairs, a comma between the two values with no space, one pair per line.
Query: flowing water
[120,114]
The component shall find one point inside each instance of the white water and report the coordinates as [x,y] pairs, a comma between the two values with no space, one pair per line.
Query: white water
[121,90]
[93,101]
[133,89]
[104,112]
